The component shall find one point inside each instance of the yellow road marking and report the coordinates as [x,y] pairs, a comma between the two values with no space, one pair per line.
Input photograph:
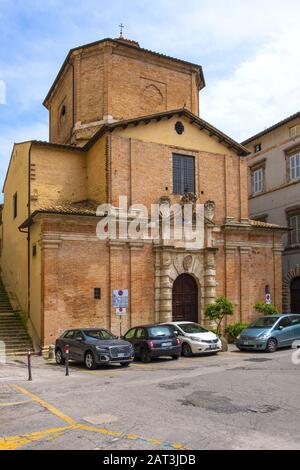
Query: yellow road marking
[15,442]
[46,405]
[14,403]
[146,366]
[101,373]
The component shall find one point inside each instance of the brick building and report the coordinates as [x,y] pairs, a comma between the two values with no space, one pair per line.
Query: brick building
[121,119]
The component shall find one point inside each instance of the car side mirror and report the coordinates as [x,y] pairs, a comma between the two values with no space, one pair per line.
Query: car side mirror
[280,327]
[176,333]
[80,338]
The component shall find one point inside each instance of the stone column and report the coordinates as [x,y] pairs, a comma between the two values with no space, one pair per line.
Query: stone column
[165,288]
[210,275]
[157,285]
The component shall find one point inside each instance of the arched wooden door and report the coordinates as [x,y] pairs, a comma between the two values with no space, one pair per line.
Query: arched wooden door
[295,295]
[185,299]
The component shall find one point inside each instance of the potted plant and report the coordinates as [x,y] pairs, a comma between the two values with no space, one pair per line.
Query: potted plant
[216,312]
[232,331]
[266,309]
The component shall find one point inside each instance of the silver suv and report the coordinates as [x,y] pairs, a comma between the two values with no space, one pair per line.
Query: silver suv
[93,346]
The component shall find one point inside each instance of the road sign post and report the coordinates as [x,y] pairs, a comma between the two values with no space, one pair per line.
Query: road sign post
[29,365]
[120,303]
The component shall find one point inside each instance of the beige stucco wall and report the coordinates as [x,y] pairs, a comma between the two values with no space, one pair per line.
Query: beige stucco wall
[280,194]
[96,171]
[14,251]
[163,132]
[57,175]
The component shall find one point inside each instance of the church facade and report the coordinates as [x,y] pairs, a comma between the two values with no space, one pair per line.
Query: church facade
[124,121]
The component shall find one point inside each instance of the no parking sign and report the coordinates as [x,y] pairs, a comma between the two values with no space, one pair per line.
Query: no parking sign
[120,300]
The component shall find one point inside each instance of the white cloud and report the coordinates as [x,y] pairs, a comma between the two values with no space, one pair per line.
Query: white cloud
[261,91]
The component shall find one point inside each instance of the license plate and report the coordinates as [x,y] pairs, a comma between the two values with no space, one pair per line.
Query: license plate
[213,346]
[164,345]
[246,343]
[121,354]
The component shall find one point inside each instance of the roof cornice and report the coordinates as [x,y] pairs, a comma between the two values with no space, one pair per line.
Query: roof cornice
[196,120]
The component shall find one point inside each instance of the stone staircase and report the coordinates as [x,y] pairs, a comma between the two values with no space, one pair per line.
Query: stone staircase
[12,331]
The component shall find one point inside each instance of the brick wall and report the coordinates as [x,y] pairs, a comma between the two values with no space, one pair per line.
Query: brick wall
[110,79]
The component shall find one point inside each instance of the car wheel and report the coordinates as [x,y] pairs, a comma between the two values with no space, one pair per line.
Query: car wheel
[186,350]
[145,356]
[176,357]
[89,361]
[124,364]
[271,345]
[59,357]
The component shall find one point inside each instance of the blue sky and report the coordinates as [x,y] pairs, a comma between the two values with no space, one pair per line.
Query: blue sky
[249,50]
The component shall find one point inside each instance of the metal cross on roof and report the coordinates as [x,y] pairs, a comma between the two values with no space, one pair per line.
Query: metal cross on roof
[121,26]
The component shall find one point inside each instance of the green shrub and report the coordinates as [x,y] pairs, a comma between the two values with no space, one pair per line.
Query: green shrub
[217,311]
[266,309]
[232,331]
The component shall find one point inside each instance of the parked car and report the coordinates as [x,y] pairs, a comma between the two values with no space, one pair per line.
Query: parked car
[195,339]
[270,332]
[151,341]
[93,346]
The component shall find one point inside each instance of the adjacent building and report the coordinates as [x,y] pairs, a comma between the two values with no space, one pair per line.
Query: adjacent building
[274,194]
[125,121]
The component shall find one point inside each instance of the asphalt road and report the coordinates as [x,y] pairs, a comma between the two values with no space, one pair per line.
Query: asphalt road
[230,401]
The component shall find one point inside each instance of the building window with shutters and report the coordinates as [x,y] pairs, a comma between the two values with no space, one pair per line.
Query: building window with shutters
[295,166]
[257,178]
[183,174]
[294,224]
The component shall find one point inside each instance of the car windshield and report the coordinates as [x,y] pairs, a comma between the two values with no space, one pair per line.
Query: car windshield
[159,332]
[99,334]
[192,328]
[264,322]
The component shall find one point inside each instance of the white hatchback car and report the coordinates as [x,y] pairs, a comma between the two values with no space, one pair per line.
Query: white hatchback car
[195,339]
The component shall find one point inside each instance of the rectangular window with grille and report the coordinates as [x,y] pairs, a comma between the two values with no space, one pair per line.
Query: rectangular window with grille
[183,174]
[295,166]
[295,229]
[257,180]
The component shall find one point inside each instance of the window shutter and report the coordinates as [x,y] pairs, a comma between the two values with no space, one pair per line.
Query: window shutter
[183,174]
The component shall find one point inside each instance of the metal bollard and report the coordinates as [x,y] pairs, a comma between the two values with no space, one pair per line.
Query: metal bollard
[67,350]
[29,365]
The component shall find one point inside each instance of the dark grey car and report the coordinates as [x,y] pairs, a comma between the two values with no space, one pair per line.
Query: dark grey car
[93,346]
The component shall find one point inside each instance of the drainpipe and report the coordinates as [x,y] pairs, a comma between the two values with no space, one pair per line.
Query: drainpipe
[28,235]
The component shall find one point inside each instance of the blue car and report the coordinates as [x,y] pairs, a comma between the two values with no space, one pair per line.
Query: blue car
[270,332]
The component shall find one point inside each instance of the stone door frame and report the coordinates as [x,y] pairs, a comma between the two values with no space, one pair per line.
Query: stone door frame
[170,263]
[286,288]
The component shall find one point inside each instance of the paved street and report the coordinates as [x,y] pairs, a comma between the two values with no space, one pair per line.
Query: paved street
[230,401]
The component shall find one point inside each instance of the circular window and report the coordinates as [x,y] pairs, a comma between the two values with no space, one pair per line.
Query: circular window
[179,127]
